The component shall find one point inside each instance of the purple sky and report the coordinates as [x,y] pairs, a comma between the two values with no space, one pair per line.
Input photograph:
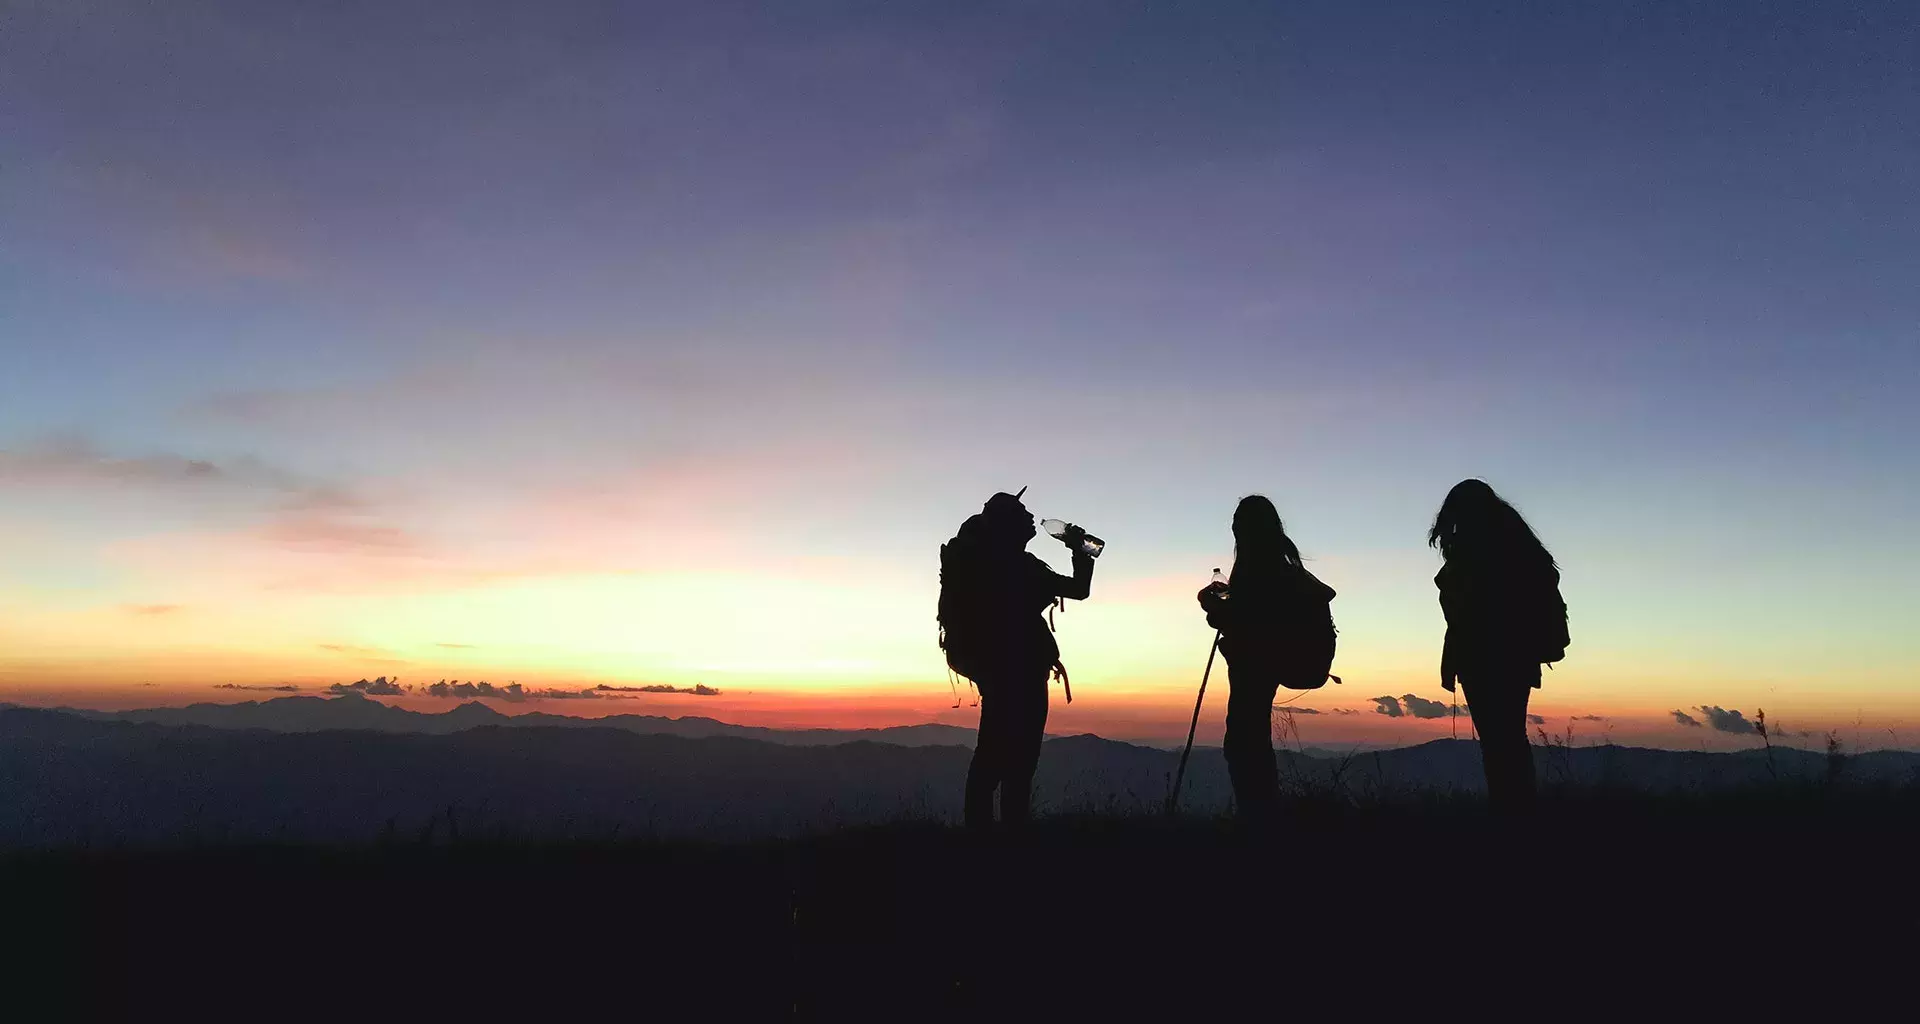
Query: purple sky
[1652,269]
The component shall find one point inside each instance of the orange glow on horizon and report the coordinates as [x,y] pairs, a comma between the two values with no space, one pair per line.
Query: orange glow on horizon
[805,643]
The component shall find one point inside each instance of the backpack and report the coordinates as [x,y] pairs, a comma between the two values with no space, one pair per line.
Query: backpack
[1297,653]
[961,606]
[1306,662]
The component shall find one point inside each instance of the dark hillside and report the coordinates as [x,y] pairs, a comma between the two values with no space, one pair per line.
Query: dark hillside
[1618,908]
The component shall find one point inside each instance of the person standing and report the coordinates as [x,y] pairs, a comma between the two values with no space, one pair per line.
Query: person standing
[992,594]
[1276,629]
[1500,592]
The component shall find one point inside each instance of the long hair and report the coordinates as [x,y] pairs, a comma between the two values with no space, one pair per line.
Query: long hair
[1476,523]
[1259,538]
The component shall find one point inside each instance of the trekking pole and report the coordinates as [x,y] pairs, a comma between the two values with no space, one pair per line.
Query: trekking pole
[1173,798]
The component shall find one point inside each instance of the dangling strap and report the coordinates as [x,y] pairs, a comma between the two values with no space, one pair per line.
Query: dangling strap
[1059,671]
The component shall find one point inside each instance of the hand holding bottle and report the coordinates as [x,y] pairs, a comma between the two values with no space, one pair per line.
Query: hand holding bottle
[1079,540]
[1216,593]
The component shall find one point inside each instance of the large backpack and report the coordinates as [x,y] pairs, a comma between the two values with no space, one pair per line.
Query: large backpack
[962,604]
[1296,653]
[1306,661]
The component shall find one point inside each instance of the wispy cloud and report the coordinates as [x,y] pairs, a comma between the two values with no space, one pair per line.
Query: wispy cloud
[332,519]
[283,688]
[76,460]
[516,693]
[355,650]
[373,655]
[698,689]
[1388,706]
[1684,719]
[337,534]
[70,460]
[300,513]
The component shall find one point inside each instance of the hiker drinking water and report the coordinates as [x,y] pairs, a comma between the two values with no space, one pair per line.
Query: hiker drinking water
[1500,591]
[1276,629]
[992,594]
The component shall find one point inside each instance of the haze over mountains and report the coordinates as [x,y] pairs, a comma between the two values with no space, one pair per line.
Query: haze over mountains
[350,769]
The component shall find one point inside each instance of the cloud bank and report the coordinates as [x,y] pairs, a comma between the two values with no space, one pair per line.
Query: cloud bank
[1420,707]
[1726,721]
[381,687]
[512,692]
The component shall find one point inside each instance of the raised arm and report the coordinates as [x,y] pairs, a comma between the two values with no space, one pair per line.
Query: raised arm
[1073,588]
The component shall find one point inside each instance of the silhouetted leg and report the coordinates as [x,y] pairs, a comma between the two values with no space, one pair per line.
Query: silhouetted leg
[1249,748]
[1028,728]
[1498,702]
[988,768]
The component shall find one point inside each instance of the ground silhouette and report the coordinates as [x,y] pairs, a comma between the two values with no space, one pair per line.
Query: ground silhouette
[1615,905]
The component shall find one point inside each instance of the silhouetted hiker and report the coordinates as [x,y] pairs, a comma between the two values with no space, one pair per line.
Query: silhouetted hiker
[1500,590]
[991,595]
[1276,629]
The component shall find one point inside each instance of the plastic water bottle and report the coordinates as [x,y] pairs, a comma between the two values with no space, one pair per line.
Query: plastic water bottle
[1090,545]
[1220,582]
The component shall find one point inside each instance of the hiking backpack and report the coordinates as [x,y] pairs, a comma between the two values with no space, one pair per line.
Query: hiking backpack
[1306,661]
[959,613]
[1296,652]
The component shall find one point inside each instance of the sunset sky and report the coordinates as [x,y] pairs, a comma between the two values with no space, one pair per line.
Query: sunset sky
[580,344]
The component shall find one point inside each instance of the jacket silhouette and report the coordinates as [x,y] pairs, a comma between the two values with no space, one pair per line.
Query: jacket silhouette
[1275,630]
[1000,593]
[1500,593]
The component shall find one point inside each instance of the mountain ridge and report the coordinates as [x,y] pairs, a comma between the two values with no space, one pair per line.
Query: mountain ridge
[353,710]
[309,713]
[69,779]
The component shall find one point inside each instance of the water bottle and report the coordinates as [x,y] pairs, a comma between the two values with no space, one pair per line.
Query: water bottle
[1220,583]
[1090,545]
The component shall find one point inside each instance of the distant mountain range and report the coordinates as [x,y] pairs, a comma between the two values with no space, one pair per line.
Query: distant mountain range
[350,769]
[356,711]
